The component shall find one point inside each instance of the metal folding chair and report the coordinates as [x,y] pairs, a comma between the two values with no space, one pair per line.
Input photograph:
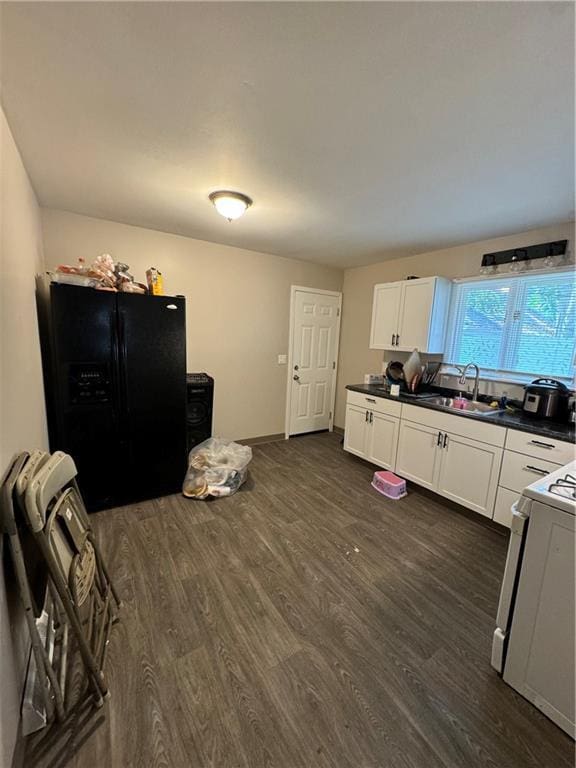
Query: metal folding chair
[70,595]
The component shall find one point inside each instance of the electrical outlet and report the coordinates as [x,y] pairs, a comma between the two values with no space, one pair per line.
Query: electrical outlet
[282,359]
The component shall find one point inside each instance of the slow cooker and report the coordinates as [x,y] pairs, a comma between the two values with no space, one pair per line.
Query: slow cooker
[546,399]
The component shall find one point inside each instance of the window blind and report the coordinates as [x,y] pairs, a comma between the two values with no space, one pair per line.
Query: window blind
[522,324]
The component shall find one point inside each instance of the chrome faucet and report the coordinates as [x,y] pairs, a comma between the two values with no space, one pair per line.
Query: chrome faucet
[462,379]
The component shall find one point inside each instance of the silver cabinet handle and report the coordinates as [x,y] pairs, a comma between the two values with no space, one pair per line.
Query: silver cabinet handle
[542,445]
[538,471]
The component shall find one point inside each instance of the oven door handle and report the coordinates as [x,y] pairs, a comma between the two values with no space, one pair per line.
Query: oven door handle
[512,569]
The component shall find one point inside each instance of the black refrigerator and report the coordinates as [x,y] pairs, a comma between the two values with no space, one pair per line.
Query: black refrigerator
[115,382]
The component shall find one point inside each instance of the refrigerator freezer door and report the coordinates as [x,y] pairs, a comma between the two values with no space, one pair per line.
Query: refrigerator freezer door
[509,585]
[152,352]
[83,396]
[540,658]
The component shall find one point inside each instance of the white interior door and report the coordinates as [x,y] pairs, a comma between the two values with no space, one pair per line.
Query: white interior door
[315,327]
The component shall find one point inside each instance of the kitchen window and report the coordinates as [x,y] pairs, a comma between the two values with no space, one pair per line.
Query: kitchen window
[515,327]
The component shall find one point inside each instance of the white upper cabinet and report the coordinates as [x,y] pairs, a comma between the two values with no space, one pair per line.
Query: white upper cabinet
[410,314]
[385,314]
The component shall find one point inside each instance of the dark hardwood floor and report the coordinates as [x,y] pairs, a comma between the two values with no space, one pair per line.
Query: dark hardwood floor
[306,622]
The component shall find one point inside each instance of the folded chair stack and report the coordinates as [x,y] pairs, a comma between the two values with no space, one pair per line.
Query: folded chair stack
[69,601]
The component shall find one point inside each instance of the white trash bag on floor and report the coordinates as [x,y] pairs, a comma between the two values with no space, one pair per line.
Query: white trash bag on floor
[216,467]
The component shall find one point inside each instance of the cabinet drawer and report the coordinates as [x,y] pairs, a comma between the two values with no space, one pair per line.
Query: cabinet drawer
[537,446]
[457,425]
[503,506]
[519,470]
[376,404]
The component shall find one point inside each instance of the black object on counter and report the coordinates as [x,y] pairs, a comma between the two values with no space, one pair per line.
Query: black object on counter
[546,399]
[394,372]
[115,384]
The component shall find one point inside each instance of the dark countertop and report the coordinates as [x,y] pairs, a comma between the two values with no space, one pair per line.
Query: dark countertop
[517,420]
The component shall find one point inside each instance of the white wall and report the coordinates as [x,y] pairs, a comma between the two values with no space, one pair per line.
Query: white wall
[237,305]
[22,414]
[356,358]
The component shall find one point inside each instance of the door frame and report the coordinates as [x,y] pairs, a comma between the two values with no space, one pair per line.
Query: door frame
[293,290]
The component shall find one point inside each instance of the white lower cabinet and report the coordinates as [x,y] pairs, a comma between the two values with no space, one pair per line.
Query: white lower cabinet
[468,472]
[522,469]
[503,506]
[355,431]
[382,439]
[474,463]
[371,429]
[417,455]
[459,468]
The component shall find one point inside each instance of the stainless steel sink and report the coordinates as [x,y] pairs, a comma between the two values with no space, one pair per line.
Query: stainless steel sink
[470,406]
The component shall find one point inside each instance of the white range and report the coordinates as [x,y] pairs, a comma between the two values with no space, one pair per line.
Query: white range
[533,646]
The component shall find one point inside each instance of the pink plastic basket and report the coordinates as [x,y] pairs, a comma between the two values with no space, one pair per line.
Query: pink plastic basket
[389,484]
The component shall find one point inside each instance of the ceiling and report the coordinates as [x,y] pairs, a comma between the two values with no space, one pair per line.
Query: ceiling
[363,131]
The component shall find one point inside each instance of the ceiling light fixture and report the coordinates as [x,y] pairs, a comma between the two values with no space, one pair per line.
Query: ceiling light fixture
[231,205]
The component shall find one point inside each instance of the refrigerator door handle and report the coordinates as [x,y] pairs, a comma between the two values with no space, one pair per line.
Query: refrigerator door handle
[115,372]
[122,364]
[512,570]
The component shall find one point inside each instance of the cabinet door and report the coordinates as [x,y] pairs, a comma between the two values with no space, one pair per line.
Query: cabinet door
[417,453]
[415,314]
[385,311]
[468,473]
[503,506]
[355,430]
[382,440]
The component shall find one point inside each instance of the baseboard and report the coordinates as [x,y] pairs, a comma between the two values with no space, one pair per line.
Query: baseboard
[275,438]
[261,439]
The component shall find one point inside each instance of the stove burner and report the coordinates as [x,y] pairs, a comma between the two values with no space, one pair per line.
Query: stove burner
[564,486]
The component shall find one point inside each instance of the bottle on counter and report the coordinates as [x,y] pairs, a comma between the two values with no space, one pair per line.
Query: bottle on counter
[155,282]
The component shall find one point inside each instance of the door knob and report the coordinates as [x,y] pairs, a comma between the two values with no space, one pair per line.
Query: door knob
[295,367]
[296,377]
